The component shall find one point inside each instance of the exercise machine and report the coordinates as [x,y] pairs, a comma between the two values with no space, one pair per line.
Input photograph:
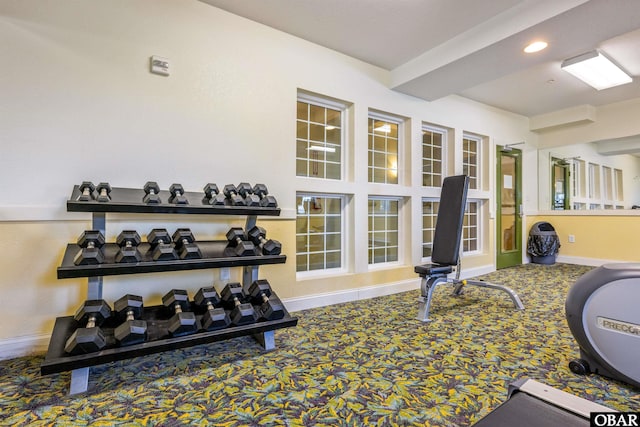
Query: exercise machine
[534,404]
[445,254]
[603,316]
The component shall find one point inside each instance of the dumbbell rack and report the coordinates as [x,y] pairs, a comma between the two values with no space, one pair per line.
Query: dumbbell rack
[215,254]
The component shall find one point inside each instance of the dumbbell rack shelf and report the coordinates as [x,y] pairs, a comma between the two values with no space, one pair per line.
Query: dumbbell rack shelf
[129,200]
[215,254]
[158,340]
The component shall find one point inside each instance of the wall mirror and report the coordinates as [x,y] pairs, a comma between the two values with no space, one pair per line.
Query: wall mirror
[586,177]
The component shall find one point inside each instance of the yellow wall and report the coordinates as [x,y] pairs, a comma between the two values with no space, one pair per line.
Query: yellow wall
[606,237]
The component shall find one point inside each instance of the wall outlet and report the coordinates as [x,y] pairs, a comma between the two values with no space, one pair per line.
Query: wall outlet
[572,238]
[225,274]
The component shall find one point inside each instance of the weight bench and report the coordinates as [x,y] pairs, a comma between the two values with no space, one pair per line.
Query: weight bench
[445,255]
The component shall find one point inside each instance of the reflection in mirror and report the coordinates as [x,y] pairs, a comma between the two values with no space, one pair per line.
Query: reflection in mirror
[560,184]
[581,177]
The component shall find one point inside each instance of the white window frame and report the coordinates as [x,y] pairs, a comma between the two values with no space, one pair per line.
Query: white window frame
[479,226]
[343,244]
[375,115]
[336,105]
[422,229]
[444,151]
[399,261]
[479,184]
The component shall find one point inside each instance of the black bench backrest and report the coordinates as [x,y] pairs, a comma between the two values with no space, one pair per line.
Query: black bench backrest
[448,233]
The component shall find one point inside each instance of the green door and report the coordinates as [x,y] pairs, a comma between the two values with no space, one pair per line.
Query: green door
[509,207]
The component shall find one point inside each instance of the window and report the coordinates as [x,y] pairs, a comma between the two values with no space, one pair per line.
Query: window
[319,135]
[429,217]
[471,149]
[470,227]
[607,180]
[433,143]
[318,232]
[578,178]
[383,150]
[383,230]
[594,182]
[617,179]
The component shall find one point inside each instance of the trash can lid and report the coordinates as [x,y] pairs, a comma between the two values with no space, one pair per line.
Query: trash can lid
[542,227]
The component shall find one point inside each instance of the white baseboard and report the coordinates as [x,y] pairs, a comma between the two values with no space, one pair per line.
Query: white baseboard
[593,262]
[338,297]
[23,346]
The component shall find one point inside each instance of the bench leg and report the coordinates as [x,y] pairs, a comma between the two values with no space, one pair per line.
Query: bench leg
[428,286]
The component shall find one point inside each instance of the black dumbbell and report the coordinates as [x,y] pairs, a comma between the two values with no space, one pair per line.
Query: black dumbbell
[212,195]
[271,308]
[161,247]
[91,242]
[242,313]
[88,337]
[231,192]
[128,240]
[177,195]
[268,247]
[152,193]
[132,330]
[245,190]
[265,199]
[238,241]
[214,317]
[185,244]
[104,191]
[86,191]
[183,321]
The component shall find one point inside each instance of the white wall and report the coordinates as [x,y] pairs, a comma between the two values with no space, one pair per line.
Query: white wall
[78,103]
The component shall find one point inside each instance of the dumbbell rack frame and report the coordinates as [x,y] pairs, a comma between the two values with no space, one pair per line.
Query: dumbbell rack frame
[215,255]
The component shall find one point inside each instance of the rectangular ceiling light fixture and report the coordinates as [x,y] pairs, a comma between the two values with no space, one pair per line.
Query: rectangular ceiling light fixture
[596,70]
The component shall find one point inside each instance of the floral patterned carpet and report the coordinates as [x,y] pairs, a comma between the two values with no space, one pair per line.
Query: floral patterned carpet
[356,364]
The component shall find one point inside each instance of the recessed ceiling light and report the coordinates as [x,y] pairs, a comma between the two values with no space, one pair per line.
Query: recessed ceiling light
[535,47]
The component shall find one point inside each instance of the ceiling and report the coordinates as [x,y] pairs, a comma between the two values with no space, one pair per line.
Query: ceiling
[471,48]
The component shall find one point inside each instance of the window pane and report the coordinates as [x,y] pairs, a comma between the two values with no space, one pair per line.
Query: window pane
[319,134]
[334,117]
[333,259]
[302,130]
[303,110]
[301,263]
[383,151]
[318,232]
[470,230]
[470,160]
[316,114]
[432,141]
[383,230]
[333,224]
[316,132]
[429,216]
[301,168]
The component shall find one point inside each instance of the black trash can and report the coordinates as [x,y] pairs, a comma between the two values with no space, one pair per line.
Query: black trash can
[543,243]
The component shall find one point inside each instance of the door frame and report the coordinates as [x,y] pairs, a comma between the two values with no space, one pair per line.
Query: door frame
[513,257]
